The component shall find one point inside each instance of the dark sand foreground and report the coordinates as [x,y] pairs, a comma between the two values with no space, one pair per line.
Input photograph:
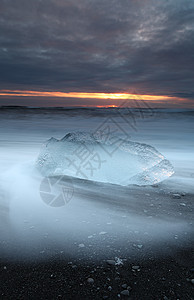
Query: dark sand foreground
[167,277]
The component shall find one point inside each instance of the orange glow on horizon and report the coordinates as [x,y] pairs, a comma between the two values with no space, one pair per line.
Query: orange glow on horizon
[105,96]
[107,106]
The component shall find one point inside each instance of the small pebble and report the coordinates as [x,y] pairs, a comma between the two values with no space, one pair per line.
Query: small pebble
[111,262]
[90,280]
[176,196]
[163,278]
[183,194]
[125,293]
[192,269]
[74,267]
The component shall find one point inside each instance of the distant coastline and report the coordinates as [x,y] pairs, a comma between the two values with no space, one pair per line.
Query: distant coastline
[92,108]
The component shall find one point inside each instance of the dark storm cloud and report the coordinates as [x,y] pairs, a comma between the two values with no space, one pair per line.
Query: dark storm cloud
[101,46]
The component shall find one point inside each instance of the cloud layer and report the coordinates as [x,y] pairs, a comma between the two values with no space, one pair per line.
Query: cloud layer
[98,46]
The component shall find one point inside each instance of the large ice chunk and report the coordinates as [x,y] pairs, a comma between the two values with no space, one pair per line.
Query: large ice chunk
[113,160]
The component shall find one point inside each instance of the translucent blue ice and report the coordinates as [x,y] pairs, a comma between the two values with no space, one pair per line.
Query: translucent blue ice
[103,159]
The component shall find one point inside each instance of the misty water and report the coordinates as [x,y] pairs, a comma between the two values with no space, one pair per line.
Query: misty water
[85,217]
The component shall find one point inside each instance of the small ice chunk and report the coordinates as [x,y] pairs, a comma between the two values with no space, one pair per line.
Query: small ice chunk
[118,261]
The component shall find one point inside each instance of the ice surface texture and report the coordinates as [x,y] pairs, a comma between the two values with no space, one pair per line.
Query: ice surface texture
[105,159]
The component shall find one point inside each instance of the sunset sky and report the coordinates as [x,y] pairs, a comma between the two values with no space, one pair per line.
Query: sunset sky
[97,53]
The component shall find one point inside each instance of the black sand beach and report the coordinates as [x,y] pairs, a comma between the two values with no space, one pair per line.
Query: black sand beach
[167,277]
